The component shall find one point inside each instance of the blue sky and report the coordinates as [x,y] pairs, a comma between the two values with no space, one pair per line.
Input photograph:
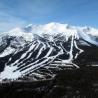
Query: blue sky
[15,13]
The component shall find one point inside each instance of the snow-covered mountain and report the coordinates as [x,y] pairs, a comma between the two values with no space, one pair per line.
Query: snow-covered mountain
[39,51]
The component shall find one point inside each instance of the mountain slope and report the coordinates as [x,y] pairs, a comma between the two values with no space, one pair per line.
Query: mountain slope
[40,50]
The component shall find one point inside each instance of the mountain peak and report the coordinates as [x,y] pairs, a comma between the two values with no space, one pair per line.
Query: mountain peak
[52,29]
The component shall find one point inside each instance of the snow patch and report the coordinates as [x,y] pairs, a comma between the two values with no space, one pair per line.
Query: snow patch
[7,51]
[9,73]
